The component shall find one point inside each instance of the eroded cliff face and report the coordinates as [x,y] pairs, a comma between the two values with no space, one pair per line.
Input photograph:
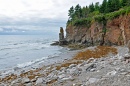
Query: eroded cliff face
[117,32]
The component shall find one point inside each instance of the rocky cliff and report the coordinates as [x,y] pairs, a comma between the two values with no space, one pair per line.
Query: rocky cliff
[117,32]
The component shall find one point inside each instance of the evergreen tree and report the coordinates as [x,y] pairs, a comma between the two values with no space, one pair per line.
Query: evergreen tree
[85,12]
[115,5]
[71,13]
[78,11]
[97,6]
[91,8]
[128,2]
[109,6]
[78,15]
[103,6]
[123,3]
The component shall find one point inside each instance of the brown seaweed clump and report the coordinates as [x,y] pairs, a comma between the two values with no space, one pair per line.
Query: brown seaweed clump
[98,52]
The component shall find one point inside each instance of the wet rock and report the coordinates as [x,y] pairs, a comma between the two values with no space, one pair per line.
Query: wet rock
[28,84]
[33,80]
[55,43]
[44,81]
[92,70]
[93,80]
[90,67]
[77,84]
[112,73]
[63,69]
[75,71]
[62,72]
[2,84]
[39,81]
[90,60]
[122,70]
[127,57]
[67,78]
[62,76]
[16,68]
[82,64]
[25,80]
[16,81]
[72,65]
[50,75]
[114,63]
[53,75]
[23,71]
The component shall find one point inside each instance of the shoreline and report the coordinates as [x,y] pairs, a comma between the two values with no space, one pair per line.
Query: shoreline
[44,75]
[54,59]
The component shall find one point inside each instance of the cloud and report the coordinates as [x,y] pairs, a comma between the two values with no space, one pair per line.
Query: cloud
[36,14]
[46,8]
[1,29]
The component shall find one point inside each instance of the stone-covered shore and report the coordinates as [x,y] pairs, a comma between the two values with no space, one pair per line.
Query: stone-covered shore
[110,70]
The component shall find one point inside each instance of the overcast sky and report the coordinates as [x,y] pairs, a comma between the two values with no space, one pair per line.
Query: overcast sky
[24,15]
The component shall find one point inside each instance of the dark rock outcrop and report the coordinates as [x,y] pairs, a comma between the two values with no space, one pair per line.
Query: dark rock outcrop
[55,43]
[62,40]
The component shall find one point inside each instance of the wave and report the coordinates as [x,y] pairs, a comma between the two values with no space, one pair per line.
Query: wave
[26,64]
[9,48]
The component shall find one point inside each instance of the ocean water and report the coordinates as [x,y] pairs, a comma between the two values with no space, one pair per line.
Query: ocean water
[25,50]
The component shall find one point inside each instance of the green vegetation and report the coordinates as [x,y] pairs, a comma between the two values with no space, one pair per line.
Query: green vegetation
[109,9]
[83,22]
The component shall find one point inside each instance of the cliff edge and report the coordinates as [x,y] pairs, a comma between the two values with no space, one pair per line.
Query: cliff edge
[117,32]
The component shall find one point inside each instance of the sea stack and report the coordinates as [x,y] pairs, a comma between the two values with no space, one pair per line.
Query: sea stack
[62,40]
[61,34]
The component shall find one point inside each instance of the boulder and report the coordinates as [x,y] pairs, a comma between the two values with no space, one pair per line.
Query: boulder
[112,73]
[39,81]
[72,65]
[2,84]
[74,71]
[55,43]
[25,80]
[90,67]
[16,81]
[93,80]
[29,84]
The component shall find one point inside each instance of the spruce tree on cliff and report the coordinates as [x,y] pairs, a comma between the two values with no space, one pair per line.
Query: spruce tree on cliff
[91,8]
[85,12]
[78,12]
[115,5]
[109,6]
[71,13]
[103,8]
[97,7]
[124,2]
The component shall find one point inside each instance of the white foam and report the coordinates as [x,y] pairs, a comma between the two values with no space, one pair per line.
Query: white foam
[31,62]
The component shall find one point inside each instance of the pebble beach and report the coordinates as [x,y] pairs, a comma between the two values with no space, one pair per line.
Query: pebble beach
[110,70]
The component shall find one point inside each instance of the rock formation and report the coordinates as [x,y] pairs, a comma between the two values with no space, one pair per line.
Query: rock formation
[117,32]
[62,40]
[128,45]
[61,34]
